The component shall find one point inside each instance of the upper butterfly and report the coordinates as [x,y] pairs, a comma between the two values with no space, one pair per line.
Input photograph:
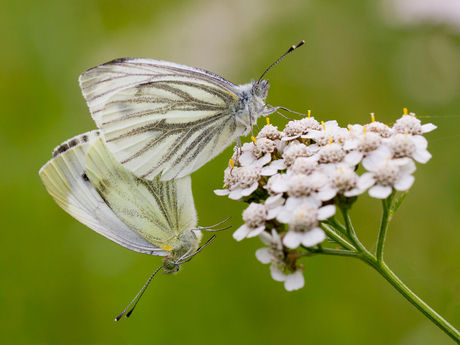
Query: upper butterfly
[160,116]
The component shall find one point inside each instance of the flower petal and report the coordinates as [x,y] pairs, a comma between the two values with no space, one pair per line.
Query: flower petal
[292,239]
[326,193]
[313,237]
[256,231]
[265,159]
[266,238]
[221,192]
[408,168]
[283,216]
[290,138]
[242,232]
[268,171]
[249,190]
[353,192]
[380,192]
[420,142]
[246,158]
[366,180]
[326,212]
[404,183]
[421,156]
[276,240]
[350,144]
[428,127]
[278,164]
[280,185]
[274,200]
[263,255]
[273,212]
[277,274]
[372,161]
[354,157]
[294,281]
[236,194]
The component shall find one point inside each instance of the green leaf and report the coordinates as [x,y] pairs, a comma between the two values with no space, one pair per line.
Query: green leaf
[396,205]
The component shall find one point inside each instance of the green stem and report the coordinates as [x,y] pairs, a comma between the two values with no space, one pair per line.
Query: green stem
[339,252]
[329,230]
[426,310]
[386,273]
[386,204]
[336,224]
[351,231]
[357,250]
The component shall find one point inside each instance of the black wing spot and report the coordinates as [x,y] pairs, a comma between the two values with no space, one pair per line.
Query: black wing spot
[63,148]
[73,143]
[85,177]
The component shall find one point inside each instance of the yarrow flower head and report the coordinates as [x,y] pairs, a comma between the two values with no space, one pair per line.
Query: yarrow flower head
[283,265]
[270,132]
[295,150]
[297,128]
[240,181]
[386,173]
[295,180]
[254,222]
[410,124]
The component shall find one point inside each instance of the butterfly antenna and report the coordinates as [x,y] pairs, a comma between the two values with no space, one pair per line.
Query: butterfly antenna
[281,58]
[184,257]
[138,297]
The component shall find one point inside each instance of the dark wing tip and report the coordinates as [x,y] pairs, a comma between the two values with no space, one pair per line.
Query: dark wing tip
[79,139]
[60,149]
[113,62]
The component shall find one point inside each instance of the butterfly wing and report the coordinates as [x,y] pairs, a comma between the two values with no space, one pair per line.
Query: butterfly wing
[65,179]
[156,210]
[161,116]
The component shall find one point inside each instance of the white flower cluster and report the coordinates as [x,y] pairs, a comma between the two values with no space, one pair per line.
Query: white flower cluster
[290,180]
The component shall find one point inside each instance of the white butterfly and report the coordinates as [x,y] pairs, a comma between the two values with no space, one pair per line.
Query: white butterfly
[150,217]
[160,116]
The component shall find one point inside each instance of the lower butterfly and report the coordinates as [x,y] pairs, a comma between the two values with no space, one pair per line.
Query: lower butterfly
[163,117]
[150,217]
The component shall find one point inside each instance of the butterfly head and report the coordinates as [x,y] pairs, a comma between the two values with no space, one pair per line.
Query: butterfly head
[260,89]
[170,267]
[180,248]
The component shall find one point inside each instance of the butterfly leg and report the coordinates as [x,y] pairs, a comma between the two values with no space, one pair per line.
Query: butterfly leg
[210,228]
[275,110]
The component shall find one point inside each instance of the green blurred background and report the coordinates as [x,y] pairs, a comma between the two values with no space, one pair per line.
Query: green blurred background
[63,284]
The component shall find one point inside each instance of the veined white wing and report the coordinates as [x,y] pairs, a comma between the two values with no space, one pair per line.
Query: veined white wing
[65,179]
[161,212]
[160,116]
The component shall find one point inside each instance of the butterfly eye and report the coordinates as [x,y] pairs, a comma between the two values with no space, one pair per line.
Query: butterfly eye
[257,89]
[169,265]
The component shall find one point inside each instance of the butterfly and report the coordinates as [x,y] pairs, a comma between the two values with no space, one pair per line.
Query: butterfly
[159,116]
[151,217]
